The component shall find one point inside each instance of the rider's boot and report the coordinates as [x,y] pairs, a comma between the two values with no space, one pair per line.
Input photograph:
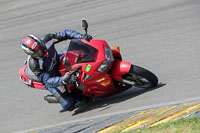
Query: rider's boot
[65,99]
[67,103]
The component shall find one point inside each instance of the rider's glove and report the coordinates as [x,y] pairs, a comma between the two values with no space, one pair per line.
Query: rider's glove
[69,79]
[49,37]
[55,35]
[58,37]
[86,37]
[73,79]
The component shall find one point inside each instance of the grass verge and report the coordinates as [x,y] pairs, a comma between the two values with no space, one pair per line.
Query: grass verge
[186,125]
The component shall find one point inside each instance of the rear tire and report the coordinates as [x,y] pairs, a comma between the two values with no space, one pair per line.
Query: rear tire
[141,77]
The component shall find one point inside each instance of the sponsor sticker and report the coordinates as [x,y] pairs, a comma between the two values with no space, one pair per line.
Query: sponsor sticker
[100,80]
[88,67]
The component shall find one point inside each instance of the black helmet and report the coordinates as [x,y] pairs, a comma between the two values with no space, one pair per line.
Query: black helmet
[34,46]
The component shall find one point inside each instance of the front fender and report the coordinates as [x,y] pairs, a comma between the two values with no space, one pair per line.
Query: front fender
[119,68]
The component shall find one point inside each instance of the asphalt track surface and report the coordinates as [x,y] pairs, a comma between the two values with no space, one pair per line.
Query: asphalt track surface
[160,35]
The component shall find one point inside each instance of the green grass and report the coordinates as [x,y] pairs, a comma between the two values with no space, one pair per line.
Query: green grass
[186,125]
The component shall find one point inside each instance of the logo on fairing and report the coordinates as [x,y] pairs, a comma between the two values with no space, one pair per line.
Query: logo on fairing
[88,67]
[102,79]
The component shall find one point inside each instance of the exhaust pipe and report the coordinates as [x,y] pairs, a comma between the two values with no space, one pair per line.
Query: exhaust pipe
[50,99]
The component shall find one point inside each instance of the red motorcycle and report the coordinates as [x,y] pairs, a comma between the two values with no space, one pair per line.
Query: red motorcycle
[100,70]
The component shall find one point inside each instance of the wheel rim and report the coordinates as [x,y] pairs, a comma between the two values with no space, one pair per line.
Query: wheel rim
[138,80]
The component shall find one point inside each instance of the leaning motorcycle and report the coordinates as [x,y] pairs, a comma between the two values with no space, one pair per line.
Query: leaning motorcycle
[100,70]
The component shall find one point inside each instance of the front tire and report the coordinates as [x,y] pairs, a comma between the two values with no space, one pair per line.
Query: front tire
[141,77]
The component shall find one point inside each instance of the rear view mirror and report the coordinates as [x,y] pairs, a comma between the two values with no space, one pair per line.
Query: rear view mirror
[84,25]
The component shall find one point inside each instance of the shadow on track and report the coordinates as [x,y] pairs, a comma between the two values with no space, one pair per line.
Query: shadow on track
[106,103]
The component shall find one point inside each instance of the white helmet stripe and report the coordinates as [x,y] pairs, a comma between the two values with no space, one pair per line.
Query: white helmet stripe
[36,38]
[27,50]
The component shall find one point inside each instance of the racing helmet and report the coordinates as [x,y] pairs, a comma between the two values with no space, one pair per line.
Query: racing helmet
[34,46]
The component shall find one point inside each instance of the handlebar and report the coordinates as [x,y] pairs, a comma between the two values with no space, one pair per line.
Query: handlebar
[75,70]
[68,75]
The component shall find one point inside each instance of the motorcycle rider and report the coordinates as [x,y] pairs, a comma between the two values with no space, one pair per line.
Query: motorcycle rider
[44,61]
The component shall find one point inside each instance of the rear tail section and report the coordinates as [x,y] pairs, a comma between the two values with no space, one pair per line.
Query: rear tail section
[25,77]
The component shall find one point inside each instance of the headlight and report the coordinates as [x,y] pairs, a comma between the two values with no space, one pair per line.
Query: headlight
[105,65]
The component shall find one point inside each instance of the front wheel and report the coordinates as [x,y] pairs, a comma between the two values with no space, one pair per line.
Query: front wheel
[140,77]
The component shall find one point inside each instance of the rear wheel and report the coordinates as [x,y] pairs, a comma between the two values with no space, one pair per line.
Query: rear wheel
[140,77]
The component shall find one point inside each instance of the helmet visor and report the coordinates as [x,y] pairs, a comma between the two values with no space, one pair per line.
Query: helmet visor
[39,53]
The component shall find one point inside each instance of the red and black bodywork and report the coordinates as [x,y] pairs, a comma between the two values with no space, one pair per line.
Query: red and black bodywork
[102,69]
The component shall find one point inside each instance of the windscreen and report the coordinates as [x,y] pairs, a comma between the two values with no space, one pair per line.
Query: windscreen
[86,52]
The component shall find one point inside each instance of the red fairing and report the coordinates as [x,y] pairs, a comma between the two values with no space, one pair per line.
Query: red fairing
[119,68]
[99,84]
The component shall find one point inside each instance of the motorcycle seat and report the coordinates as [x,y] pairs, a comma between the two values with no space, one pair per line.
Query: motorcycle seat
[30,74]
